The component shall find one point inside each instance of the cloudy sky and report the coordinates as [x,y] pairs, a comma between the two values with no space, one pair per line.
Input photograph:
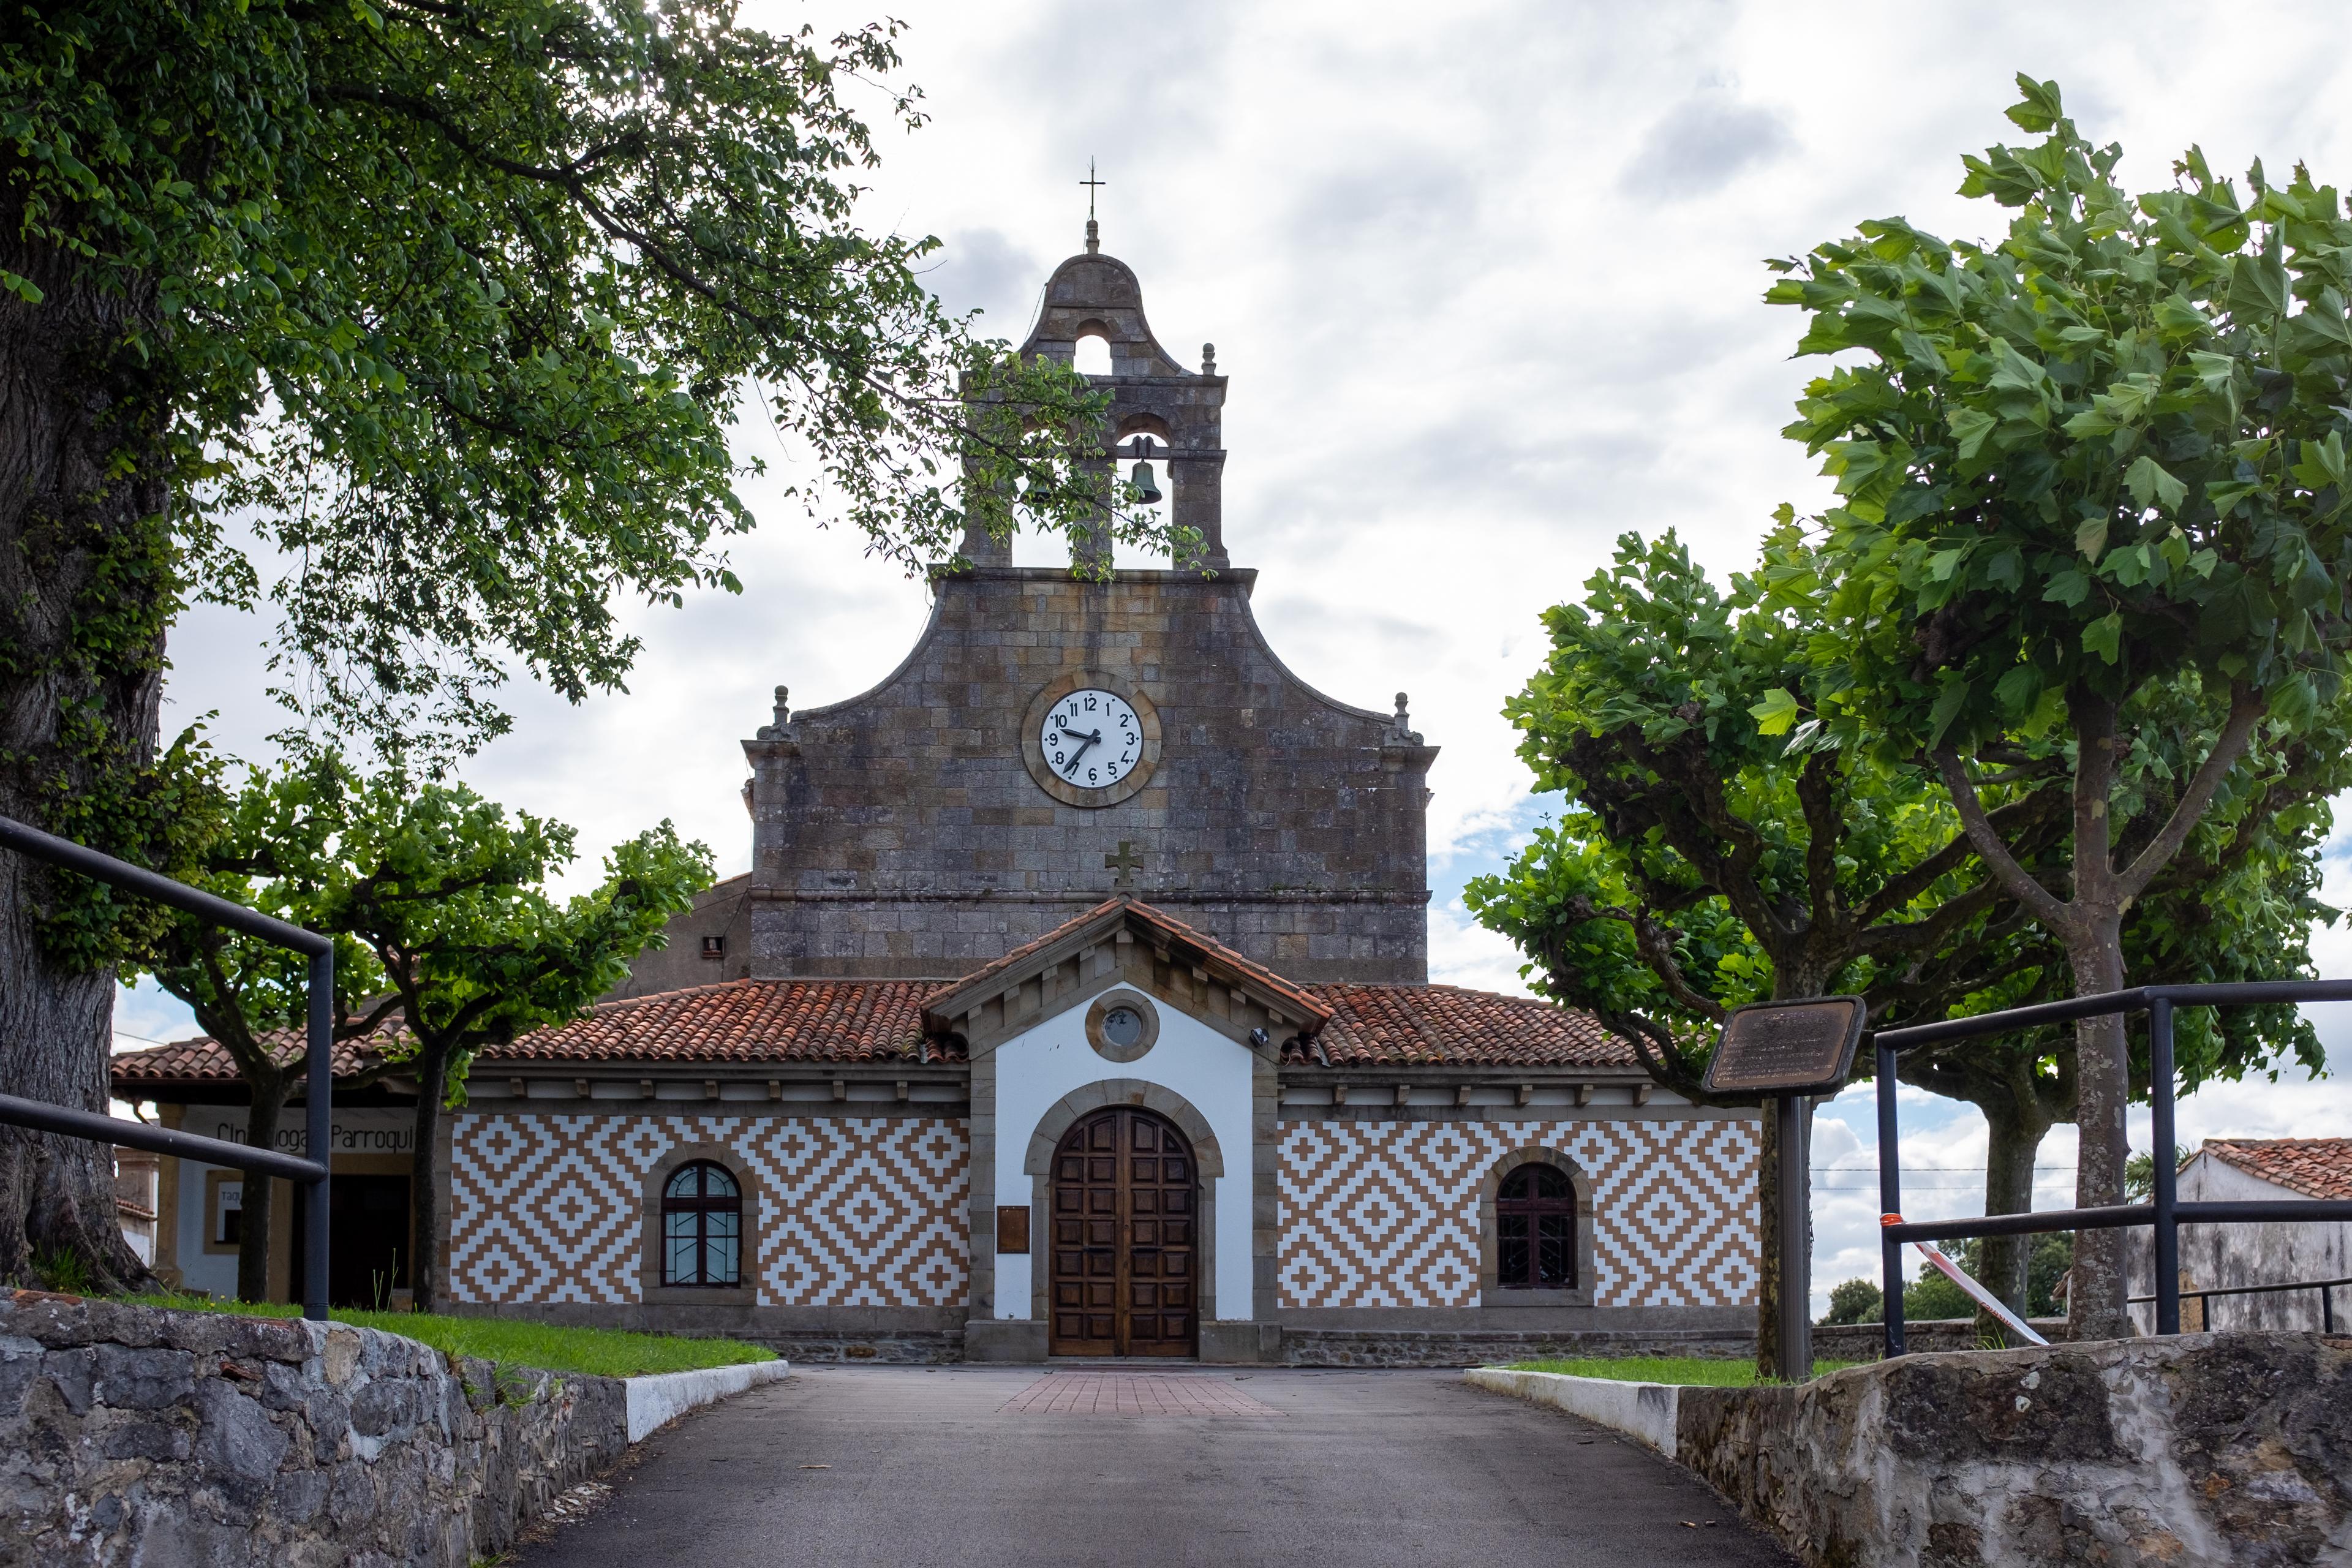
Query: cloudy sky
[1487,279]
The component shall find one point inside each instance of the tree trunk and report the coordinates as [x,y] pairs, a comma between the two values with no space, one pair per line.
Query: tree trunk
[2016,1133]
[86,587]
[252,1245]
[424,1188]
[2095,1301]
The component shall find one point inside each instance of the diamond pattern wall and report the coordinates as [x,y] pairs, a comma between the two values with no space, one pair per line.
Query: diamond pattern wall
[1385,1213]
[851,1211]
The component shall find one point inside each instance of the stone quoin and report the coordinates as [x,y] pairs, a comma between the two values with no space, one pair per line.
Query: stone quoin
[1076,1000]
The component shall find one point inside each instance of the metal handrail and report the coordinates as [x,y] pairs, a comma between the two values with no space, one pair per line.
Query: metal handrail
[2165,1211]
[318,1089]
[2324,1287]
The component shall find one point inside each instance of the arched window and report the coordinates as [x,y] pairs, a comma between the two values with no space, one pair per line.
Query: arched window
[702,1227]
[1535,1230]
[1090,355]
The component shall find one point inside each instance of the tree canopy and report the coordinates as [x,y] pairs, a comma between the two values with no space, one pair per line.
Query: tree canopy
[2092,511]
[425,325]
[1711,856]
[448,938]
[455,308]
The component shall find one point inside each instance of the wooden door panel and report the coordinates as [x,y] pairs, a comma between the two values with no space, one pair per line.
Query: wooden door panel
[1122,1255]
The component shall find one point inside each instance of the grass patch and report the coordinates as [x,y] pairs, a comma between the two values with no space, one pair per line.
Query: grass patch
[595,1353]
[1681,1369]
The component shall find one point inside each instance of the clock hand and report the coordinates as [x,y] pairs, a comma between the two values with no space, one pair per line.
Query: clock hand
[1072,771]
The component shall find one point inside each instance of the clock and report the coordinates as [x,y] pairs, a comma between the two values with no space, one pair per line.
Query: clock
[1090,739]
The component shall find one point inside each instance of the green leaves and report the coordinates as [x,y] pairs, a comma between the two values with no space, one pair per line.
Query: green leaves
[2104,636]
[2151,487]
[456,308]
[2131,407]
[1775,713]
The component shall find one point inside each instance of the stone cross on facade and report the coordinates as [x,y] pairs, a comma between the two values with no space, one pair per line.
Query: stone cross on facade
[1126,863]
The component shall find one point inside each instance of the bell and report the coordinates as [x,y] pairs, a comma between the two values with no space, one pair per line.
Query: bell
[1147,487]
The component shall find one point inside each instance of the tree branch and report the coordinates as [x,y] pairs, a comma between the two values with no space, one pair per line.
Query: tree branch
[2245,710]
[1817,795]
[1989,847]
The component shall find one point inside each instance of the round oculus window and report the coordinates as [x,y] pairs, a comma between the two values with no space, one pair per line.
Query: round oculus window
[1122,1026]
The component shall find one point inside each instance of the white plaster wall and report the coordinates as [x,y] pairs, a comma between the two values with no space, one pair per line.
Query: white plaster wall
[2222,1254]
[213,1273]
[1035,1069]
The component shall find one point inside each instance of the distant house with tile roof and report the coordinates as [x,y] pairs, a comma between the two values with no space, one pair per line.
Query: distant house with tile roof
[1076,1002]
[2218,1256]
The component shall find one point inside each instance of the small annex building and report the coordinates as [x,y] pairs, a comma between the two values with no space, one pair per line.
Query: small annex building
[2231,1256]
[1075,1002]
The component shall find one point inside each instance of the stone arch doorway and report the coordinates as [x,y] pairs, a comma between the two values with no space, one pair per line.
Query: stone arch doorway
[1123,1247]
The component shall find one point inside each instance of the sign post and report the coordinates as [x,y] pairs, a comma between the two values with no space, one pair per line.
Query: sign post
[1790,1051]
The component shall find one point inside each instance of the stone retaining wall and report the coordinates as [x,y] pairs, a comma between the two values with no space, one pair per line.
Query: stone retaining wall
[139,1435]
[2192,1452]
[1863,1341]
[1405,1347]
[941,1349]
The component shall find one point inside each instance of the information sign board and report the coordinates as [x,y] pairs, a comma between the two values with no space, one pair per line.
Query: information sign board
[1787,1047]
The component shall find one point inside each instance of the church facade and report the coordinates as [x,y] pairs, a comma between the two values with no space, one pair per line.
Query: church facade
[1076,1002]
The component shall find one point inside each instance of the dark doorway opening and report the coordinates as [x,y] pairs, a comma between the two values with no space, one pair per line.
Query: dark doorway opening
[367,1238]
[1126,1217]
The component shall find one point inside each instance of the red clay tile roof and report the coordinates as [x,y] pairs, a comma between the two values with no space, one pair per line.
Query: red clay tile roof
[203,1060]
[1166,928]
[748,1021]
[756,1021]
[2316,1167]
[1446,1026]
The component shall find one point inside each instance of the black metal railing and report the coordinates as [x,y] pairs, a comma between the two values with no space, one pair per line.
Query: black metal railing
[2324,1287]
[2165,1212]
[318,1090]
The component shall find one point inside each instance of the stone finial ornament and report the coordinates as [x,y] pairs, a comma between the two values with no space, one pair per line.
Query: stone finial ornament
[1208,359]
[781,730]
[1401,730]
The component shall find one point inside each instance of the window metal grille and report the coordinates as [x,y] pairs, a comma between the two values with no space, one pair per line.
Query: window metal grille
[1535,1229]
[702,1227]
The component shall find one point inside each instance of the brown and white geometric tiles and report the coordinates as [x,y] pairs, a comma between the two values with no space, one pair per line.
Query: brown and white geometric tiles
[1385,1213]
[851,1211]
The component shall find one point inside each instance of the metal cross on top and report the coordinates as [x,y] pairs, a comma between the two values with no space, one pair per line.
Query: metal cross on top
[1094,234]
[1126,863]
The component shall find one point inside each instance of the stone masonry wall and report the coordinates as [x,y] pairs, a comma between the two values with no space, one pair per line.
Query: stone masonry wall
[899,834]
[142,1435]
[2192,1452]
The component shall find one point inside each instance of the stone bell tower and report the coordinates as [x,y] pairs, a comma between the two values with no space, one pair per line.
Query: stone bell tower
[1158,409]
[925,828]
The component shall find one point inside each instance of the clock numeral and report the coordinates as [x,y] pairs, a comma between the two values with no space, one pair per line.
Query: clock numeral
[1058,759]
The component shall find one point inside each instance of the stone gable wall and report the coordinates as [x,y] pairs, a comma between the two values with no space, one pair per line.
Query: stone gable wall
[139,1435]
[901,835]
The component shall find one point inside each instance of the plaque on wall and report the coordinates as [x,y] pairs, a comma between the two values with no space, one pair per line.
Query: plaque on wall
[1787,1047]
[1013,1228]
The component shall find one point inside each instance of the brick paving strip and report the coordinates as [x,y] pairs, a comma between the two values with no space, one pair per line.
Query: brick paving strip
[1134,1393]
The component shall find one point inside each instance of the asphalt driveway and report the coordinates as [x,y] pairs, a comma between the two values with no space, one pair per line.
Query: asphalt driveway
[1224,1467]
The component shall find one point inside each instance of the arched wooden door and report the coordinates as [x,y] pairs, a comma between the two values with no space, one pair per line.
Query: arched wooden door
[1125,1254]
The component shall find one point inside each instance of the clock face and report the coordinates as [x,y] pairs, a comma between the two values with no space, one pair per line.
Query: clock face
[1091,739]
